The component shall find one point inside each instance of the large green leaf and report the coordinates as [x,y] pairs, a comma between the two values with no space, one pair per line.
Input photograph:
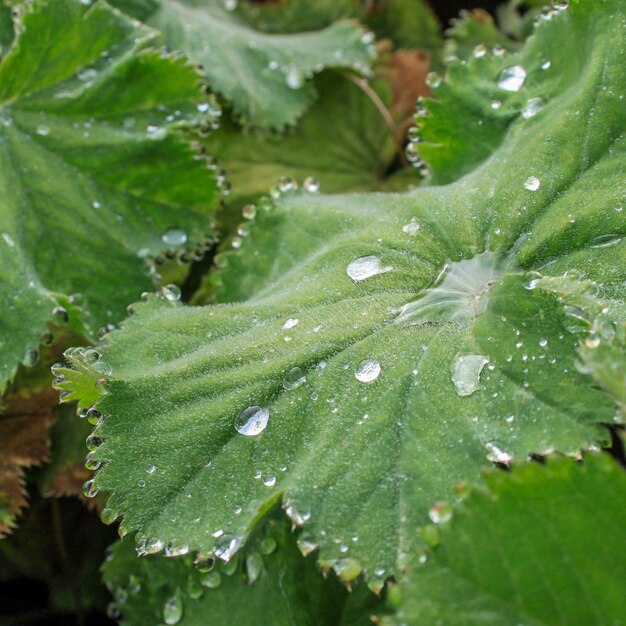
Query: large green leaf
[270,583]
[540,546]
[424,350]
[264,76]
[93,176]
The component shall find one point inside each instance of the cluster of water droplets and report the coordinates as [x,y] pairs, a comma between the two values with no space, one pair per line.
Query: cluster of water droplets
[414,138]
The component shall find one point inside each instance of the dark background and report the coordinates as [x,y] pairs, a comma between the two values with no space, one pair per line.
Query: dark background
[447,9]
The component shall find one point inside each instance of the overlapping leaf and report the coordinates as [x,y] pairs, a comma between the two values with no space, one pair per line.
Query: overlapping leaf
[540,546]
[93,178]
[270,583]
[385,347]
[264,76]
[482,96]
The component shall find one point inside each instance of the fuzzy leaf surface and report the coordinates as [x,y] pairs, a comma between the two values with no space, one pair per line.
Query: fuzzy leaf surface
[425,351]
[264,76]
[537,547]
[92,173]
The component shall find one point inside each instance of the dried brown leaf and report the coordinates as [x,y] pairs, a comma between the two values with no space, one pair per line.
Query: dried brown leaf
[24,442]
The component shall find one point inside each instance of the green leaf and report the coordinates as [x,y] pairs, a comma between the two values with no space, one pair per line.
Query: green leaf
[475,104]
[424,349]
[264,76]
[269,583]
[540,546]
[408,23]
[472,29]
[92,170]
[357,147]
[6,29]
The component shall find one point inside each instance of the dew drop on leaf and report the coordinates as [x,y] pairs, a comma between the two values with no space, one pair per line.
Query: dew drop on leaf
[174,237]
[466,370]
[441,512]
[30,358]
[294,78]
[290,323]
[512,78]
[294,378]
[604,241]
[366,267]
[367,371]
[267,545]
[252,420]
[411,228]
[173,610]
[531,108]
[89,491]
[211,580]
[171,293]
[532,183]
[254,565]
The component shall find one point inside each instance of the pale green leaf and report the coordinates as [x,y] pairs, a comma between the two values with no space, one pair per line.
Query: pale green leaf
[264,76]
[540,547]
[477,363]
[268,583]
[92,170]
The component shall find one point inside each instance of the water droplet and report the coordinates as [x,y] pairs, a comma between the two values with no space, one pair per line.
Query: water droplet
[91,463]
[532,183]
[441,512]
[294,378]
[496,104]
[367,371]
[290,323]
[604,241]
[310,184]
[498,50]
[252,420]
[295,516]
[30,358]
[294,77]
[267,545]
[512,78]
[532,107]
[366,267]
[306,545]
[173,609]
[254,566]
[496,454]
[270,481]
[249,211]
[211,580]
[411,228]
[543,343]
[546,64]
[348,569]
[8,240]
[466,370]
[92,442]
[174,237]
[480,51]
[171,293]
[89,490]
[433,80]
[43,130]
[227,547]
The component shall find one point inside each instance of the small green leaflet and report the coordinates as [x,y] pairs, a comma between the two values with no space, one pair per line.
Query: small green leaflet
[268,583]
[374,350]
[264,76]
[541,546]
[94,180]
